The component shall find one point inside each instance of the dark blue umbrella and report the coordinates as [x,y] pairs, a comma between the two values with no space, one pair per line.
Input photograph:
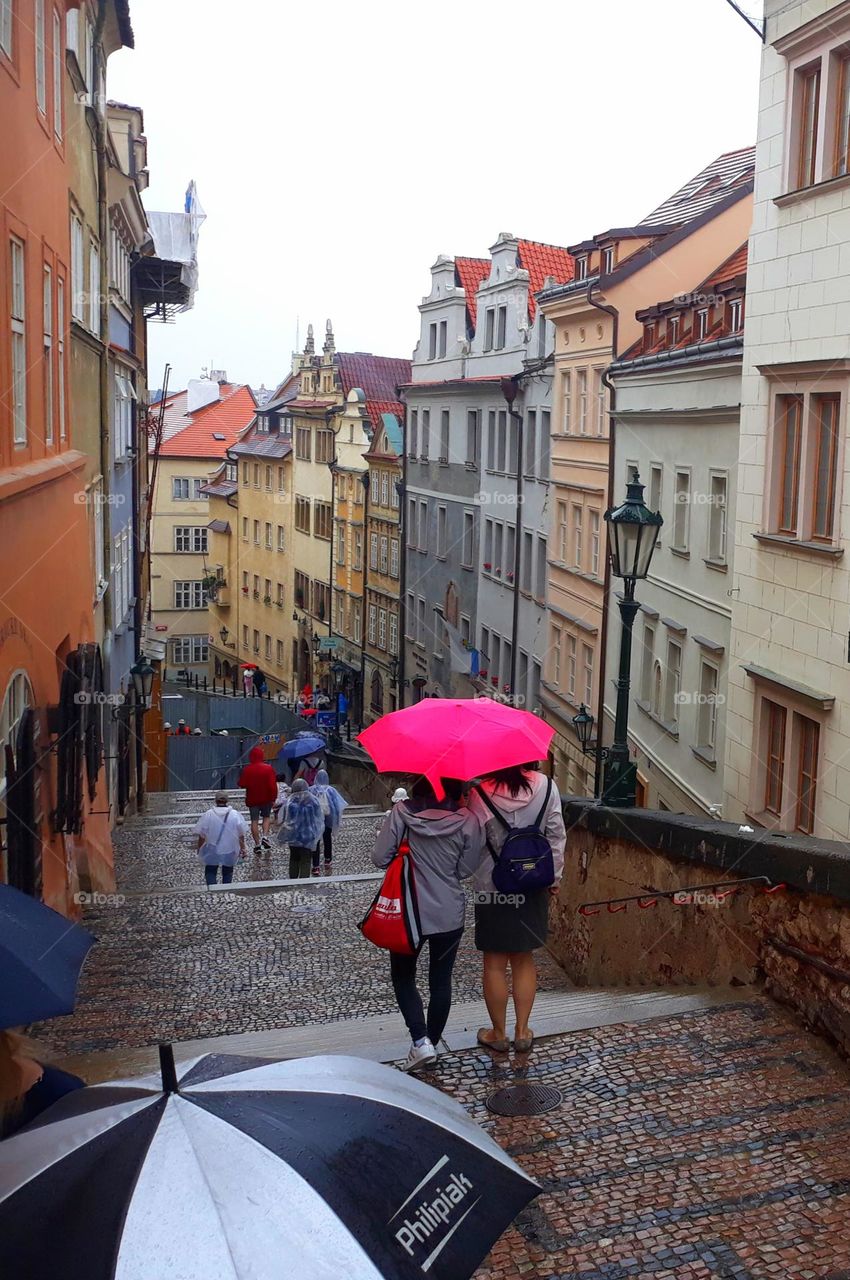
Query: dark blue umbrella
[307,744]
[41,955]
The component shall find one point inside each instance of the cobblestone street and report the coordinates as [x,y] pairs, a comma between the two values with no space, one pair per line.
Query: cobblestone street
[706,1146]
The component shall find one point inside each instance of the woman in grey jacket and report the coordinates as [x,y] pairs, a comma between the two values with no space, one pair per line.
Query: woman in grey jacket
[446,845]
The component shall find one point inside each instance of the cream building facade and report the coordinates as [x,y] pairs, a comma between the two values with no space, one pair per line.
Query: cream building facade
[788,719]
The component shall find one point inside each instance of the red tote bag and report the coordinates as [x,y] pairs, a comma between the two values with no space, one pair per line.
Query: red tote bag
[392,921]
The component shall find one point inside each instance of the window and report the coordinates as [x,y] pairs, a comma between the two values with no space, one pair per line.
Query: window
[256,533]
[513,445]
[842,123]
[502,440]
[189,595]
[682,510]
[340,544]
[281,479]
[268,534]
[807,94]
[422,541]
[385,488]
[563,533]
[790,441]
[809,737]
[383,554]
[94,288]
[701,323]
[189,649]
[373,550]
[489,325]
[356,621]
[256,586]
[432,341]
[302,443]
[441,345]
[473,420]
[581,377]
[269,479]
[302,589]
[442,535]
[736,315]
[244,636]
[256,475]
[775,759]
[805,465]
[707,710]
[323,521]
[190,538]
[279,653]
[444,437]
[48,372]
[393,633]
[58,68]
[824,410]
[498,540]
[587,671]
[382,628]
[647,655]
[541,568]
[717,519]
[411,522]
[119,264]
[673,683]
[60,352]
[545,432]
[256,644]
[556,657]
[656,483]
[608,260]
[123,396]
[394,550]
[413,422]
[40,60]
[410,616]
[599,396]
[488,544]
[578,528]
[566,393]
[673,330]
[491,440]
[420,621]
[531,443]
[78,291]
[468,544]
[280,593]
[425,443]
[19,342]
[6,36]
[302,514]
[571,665]
[358,550]
[281,538]
[594,543]
[394,496]
[501,327]
[581,267]
[527,561]
[246,473]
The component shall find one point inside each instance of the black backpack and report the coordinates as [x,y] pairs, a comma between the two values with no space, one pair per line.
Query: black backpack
[525,862]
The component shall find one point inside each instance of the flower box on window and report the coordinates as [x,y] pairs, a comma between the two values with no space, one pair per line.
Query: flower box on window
[487,565]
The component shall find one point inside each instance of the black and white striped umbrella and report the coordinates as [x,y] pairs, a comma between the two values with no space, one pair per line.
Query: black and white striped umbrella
[328,1168]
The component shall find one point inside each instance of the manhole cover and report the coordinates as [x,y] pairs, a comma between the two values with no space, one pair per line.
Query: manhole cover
[523,1100]
[308,909]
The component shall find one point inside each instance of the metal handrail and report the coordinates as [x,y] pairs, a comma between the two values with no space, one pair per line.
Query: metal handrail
[653,896]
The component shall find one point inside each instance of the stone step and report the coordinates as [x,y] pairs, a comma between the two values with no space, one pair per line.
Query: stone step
[382,1037]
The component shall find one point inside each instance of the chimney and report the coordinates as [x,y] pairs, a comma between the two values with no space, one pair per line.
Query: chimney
[218,375]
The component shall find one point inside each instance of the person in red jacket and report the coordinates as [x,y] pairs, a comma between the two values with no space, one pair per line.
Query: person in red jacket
[260,782]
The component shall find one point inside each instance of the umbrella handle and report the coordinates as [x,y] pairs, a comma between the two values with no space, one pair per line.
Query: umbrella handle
[167,1068]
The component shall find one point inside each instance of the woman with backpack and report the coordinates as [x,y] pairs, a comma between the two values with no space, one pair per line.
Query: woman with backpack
[332,805]
[520,812]
[446,843]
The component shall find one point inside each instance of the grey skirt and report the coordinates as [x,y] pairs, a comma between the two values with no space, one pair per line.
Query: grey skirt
[509,926]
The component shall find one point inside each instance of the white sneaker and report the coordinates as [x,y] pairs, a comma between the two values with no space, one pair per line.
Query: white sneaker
[422,1055]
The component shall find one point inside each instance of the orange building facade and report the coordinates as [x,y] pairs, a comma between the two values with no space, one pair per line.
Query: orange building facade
[55,835]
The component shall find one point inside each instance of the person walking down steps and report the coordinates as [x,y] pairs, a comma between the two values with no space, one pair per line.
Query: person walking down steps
[221,833]
[260,782]
[302,827]
[332,805]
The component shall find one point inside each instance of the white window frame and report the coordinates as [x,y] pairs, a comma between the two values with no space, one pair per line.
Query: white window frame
[94,288]
[60,354]
[48,366]
[40,59]
[58,79]
[393,637]
[18,327]
[394,557]
[681,544]
[78,292]
[718,520]
[6,27]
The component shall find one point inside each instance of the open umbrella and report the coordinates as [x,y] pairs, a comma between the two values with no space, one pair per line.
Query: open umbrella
[305,744]
[41,955]
[323,1168]
[455,738]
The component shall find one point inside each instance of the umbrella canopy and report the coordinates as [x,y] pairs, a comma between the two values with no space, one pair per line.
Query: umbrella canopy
[322,1167]
[249,666]
[41,955]
[306,744]
[455,738]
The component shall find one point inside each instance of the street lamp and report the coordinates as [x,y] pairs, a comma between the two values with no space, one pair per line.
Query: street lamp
[142,674]
[632,534]
[224,633]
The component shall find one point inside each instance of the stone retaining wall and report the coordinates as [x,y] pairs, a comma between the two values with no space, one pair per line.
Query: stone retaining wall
[796,942]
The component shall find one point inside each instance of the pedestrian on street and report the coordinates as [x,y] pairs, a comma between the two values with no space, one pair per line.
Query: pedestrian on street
[308,769]
[221,833]
[182,728]
[248,682]
[332,805]
[446,844]
[302,827]
[396,798]
[508,932]
[260,684]
[260,782]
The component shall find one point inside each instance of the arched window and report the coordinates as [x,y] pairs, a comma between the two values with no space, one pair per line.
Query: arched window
[17,698]
[377,693]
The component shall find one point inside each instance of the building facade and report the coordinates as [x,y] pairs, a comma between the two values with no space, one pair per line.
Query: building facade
[788,722]
[618,273]
[383,542]
[678,404]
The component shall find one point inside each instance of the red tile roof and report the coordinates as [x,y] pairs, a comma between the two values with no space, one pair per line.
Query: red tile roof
[378,377]
[227,417]
[541,261]
[470,273]
[734,266]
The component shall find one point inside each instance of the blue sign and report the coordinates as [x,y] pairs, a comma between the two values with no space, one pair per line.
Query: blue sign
[325,719]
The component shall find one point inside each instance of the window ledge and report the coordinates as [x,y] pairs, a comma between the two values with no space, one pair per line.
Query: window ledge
[838,183]
[681,552]
[800,544]
[670,727]
[704,755]
[719,566]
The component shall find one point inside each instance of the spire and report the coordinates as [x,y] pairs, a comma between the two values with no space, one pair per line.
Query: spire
[309,345]
[329,348]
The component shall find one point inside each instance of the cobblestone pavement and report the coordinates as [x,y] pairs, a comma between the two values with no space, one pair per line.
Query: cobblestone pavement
[186,966]
[706,1146]
[162,856]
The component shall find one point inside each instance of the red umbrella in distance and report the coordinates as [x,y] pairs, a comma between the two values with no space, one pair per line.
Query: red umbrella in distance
[455,738]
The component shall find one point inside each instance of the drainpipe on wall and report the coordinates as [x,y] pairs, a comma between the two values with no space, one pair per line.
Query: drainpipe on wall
[606,585]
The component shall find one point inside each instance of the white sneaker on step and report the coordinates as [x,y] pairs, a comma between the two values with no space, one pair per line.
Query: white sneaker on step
[421,1055]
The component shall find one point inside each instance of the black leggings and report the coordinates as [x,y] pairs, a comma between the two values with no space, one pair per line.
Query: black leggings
[327,841]
[442,953]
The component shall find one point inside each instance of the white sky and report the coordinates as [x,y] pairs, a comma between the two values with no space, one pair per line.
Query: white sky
[339,147]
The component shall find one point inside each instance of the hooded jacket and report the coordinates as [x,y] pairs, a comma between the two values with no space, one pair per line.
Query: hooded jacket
[259,780]
[518,811]
[446,846]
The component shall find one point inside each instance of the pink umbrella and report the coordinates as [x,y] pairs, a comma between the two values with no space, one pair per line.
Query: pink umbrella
[455,738]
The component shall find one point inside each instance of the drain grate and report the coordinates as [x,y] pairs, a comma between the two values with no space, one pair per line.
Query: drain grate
[524,1100]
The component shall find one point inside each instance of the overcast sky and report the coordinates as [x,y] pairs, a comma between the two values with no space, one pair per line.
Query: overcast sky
[338,148]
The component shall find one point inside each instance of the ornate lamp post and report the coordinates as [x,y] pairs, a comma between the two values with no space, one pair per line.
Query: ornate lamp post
[632,534]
